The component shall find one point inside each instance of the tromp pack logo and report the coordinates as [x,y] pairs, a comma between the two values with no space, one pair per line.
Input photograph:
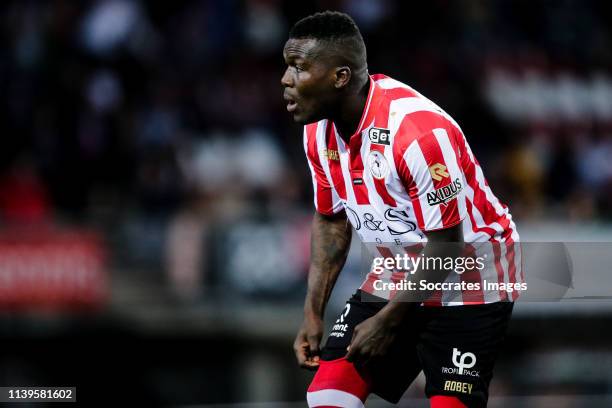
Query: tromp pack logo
[462,362]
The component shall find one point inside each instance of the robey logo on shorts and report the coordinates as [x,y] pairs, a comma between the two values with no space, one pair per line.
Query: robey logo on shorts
[462,362]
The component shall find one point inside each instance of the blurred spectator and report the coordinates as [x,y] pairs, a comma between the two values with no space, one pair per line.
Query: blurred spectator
[23,196]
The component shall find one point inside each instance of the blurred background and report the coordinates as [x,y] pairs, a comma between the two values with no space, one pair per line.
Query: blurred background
[155,200]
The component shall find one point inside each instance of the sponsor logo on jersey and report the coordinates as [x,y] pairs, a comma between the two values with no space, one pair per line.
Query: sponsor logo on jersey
[438,171]
[380,136]
[379,167]
[330,154]
[444,194]
[399,219]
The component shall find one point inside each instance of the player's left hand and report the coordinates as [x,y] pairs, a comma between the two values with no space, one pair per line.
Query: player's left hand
[371,339]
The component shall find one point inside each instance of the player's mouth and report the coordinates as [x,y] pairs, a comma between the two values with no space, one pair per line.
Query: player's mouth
[291,103]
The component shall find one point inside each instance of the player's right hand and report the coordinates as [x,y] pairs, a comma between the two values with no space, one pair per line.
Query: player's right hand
[306,344]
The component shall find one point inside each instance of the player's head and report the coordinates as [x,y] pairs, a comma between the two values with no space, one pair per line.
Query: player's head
[326,62]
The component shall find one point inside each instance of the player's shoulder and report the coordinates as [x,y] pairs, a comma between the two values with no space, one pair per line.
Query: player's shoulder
[412,116]
[310,137]
[310,129]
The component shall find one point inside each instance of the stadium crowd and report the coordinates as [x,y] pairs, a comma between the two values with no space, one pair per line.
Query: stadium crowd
[153,106]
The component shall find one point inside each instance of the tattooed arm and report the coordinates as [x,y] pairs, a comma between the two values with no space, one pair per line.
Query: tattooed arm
[329,247]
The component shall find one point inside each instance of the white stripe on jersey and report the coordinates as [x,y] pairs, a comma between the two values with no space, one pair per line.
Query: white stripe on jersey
[406,106]
[452,163]
[321,144]
[312,171]
[480,179]
[346,175]
[416,163]
[373,197]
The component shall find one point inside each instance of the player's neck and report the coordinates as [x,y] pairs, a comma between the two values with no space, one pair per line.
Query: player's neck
[351,111]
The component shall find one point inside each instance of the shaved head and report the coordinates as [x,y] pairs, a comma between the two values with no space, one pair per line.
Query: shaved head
[338,40]
[327,71]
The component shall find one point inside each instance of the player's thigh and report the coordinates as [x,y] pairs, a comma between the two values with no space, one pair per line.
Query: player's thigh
[458,348]
[354,312]
[338,382]
[387,377]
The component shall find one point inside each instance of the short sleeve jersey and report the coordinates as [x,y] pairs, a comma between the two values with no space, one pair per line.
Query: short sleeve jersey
[407,170]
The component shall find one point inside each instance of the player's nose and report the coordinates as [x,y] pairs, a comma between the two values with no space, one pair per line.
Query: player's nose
[286,80]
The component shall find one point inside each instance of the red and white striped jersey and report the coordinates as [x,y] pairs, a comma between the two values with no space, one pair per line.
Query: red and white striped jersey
[407,170]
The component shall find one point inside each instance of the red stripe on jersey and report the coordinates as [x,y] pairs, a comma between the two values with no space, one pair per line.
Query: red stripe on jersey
[386,253]
[481,202]
[368,285]
[511,266]
[335,168]
[486,209]
[324,201]
[435,300]
[378,77]
[409,130]
[433,156]
[503,295]
[356,167]
[396,276]
[359,187]
[414,250]
[359,190]
[382,122]
[421,122]
[470,210]
[519,248]
[410,186]
[475,296]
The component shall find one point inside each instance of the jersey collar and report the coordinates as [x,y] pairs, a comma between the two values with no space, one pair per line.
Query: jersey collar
[375,94]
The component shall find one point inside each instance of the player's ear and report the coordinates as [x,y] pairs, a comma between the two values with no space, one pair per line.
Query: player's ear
[342,77]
